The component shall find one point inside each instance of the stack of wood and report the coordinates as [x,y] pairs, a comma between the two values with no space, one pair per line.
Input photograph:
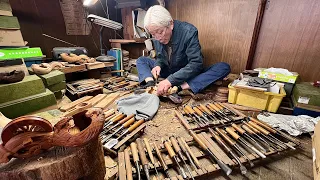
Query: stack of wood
[221,94]
[125,59]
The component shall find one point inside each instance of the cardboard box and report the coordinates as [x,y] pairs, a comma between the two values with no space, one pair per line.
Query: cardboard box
[316,152]
[23,52]
[11,38]
[5,13]
[277,76]
[305,93]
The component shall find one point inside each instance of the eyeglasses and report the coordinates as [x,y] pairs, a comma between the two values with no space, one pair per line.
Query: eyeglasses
[161,34]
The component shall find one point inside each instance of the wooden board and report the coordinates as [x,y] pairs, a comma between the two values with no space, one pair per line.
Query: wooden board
[134,132]
[74,103]
[95,65]
[73,68]
[108,100]
[95,100]
[121,166]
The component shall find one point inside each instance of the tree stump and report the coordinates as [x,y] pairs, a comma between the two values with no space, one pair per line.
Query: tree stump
[86,162]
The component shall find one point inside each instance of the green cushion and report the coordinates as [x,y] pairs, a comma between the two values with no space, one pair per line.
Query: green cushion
[27,105]
[30,85]
[52,78]
[57,87]
[5,5]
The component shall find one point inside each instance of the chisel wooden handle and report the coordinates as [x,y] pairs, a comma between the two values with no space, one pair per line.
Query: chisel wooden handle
[219,140]
[238,128]
[182,120]
[175,144]
[265,132]
[162,162]
[247,129]
[128,164]
[108,113]
[215,108]
[218,106]
[169,148]
[205,108]
[141,151]
[198,140]
[126,119]
[189,109]
[232,133]
[146,142]
[134,151]
[198,111]
[183,143]
[118,117]
[264,125]
[135,125]
[252,128]
[128,123]
[110,117]
[225,137]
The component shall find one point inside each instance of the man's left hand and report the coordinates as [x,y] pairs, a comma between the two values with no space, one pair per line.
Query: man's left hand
[163,87]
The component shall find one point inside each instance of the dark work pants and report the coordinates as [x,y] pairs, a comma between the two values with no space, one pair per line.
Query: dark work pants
[210,75]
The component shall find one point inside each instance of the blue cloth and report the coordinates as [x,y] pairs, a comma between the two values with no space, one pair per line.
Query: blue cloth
[215,72]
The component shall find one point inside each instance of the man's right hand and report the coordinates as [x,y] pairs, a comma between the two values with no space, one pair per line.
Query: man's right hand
[156,72]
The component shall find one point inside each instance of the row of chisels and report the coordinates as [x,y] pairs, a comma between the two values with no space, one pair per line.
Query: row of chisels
[117,126]
[148,159]
[240,139]
[205,115]
[116,83]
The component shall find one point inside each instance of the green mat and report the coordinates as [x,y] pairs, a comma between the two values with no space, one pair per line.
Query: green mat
[57,87]
[27,105]
[52,78]
[5,5]
[30,85]
[9,22]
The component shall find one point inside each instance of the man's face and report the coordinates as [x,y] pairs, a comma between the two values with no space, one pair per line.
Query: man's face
[160,33]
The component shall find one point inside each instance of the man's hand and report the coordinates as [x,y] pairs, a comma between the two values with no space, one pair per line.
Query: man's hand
[156,72]
[163,87]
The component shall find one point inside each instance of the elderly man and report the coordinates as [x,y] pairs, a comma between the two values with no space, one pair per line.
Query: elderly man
[178,55]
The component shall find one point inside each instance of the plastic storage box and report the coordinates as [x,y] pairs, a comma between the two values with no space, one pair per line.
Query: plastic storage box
[256,99]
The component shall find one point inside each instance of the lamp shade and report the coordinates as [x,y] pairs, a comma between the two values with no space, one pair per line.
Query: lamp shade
[88,3]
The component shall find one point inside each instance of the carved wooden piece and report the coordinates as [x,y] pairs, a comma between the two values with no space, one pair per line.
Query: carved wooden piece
[30,135]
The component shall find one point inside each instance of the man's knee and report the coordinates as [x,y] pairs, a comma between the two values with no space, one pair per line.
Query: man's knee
[143,60]
[224,66]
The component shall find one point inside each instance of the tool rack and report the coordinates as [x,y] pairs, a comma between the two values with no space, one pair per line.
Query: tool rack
[206,165]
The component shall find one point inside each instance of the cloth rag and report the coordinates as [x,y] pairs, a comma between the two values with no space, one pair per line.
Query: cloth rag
[294,125]
[142,105]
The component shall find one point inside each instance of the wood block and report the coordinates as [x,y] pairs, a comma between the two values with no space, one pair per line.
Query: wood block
[95,100]
[199,172]
[121,166]
[84,162]
[108,64]
[29,86]
[74,103]
[95,65]
[108,100]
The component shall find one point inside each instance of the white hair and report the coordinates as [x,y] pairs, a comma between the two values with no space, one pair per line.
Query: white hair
[157,15]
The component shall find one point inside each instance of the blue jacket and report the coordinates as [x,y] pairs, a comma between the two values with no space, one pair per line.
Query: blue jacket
[186,57]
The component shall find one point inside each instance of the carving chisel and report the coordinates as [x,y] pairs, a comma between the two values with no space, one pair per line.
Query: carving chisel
[134,151]
[143,158]
[118,117]
[177,148]
[128,164]
[125,125]
[174,157]
[119,123]
[239,138]
[162,162]
[191,157]
[149,149]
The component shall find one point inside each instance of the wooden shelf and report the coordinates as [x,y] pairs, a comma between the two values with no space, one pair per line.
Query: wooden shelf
[126,41]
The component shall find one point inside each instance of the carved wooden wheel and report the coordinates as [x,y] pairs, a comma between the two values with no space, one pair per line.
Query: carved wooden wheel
[25,124]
